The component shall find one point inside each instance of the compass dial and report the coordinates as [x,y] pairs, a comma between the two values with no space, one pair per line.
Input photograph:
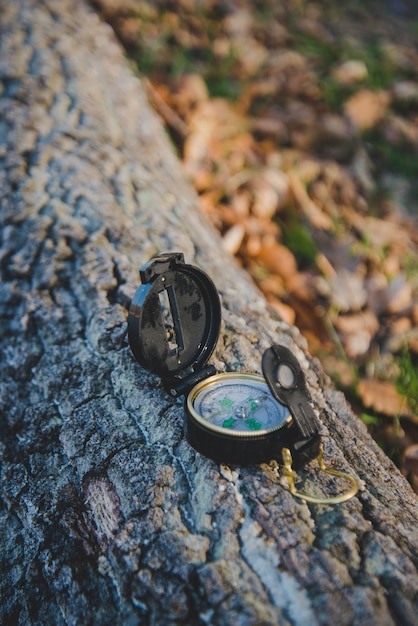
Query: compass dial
[237,405]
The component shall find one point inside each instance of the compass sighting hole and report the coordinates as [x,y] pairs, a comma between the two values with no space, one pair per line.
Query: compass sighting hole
[286,376]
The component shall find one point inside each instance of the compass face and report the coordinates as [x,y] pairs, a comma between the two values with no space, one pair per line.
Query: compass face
[237,405]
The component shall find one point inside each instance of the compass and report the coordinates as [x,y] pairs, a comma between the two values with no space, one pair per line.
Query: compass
[241,403]
[239,418]
[234,418]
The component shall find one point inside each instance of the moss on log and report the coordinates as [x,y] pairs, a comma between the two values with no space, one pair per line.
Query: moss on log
[107,515]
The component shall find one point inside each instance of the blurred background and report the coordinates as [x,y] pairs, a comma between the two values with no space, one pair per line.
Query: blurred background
[297,123]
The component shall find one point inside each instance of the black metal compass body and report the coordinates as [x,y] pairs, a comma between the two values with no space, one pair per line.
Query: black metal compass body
[173,327]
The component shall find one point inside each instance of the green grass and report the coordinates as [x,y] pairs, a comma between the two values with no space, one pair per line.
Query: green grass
[299,241]
[407,381]
[414,27]
[316,49]
[409,263]
[326,55]
[160,53]
[334,93]
[370,420]
[398,159]
[381,73]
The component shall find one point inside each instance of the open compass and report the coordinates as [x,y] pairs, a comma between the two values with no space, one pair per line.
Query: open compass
[173,327]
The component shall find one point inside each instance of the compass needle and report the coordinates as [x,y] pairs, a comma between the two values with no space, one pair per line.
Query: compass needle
[246,401]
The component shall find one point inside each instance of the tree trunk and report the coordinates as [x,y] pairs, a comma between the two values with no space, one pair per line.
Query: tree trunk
[107,515]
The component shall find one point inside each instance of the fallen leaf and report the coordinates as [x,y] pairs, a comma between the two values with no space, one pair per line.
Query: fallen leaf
[270,124]
[253,246]
[340,370]
[399,131]
[367,107]
[241,202]
[351,71]
[265,198]
[318,218]
[380,233]
[302,285]
[357,331]
[406,91]
[351,324]
[413,345]
[411,459]
[233,238]
[376,287]
[400,335]
[191,89]
[398,294]
[382,397]
[270,190]
[278,259]
[348,292]
[286,312]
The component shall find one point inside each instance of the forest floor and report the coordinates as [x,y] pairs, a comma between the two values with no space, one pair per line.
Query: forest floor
[297,123]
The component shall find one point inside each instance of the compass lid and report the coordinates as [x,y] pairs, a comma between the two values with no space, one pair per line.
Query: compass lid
[286,380]
[174,318]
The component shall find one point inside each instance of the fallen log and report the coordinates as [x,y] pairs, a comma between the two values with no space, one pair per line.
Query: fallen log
[108,515]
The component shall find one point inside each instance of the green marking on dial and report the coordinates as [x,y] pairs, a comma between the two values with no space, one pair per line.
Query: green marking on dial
[253,404]
[253,424]
[226,402]
[229,422]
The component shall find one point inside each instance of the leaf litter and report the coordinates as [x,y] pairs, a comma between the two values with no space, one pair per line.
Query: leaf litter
[297,123]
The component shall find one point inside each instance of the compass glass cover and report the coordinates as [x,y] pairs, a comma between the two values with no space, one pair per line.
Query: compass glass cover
[237,404]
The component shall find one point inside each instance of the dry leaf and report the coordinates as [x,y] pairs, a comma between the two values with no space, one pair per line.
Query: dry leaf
[411,459]
[273,286]
[340,370]
[382,397]
[233,238]
[265,198]
[358,331]
[400,335]
[270,190]
[253,246]
[357,344]
[241,202]
[351,324]
[318,218]
[398,294]
[351,71]
[191,89]
[271,124]
[278,259]
[410,466]
[413,345]
[399,131]
[348,292]
[286,312]
[381,233]
[367,107]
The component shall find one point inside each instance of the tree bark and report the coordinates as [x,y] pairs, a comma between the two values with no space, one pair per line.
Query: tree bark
[107,515]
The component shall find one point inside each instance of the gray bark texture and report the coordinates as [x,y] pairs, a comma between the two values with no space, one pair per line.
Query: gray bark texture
[107,515]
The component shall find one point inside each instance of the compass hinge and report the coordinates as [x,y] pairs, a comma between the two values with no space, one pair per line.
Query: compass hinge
[160,264]
[181,386]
